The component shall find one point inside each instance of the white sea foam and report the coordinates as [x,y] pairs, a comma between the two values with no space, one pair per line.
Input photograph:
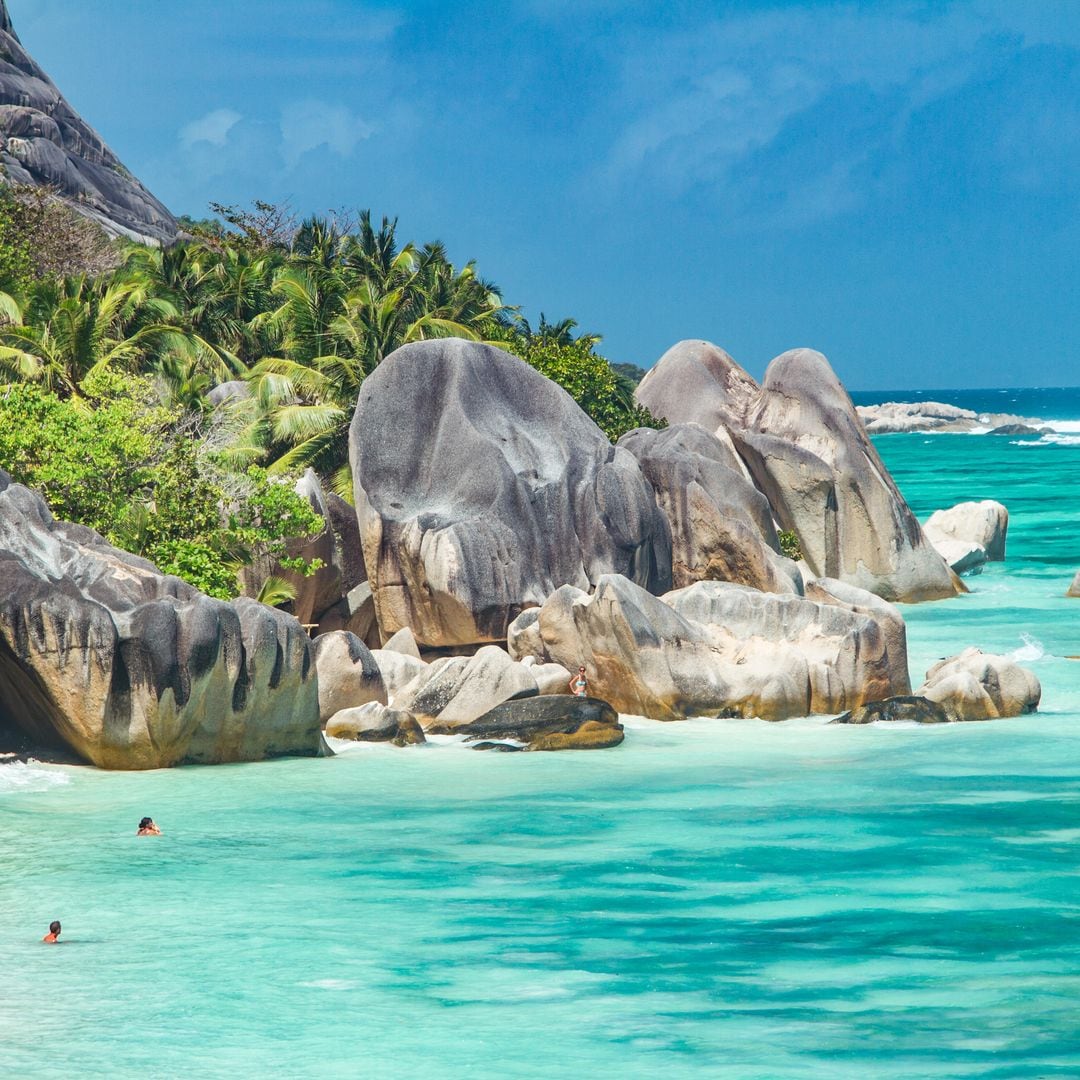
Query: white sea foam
[1055,439]
[1062,426]
[331,984]
[21,776]
[1029,652]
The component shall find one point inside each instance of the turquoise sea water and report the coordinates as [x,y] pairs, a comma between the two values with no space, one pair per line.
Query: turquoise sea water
[711,899]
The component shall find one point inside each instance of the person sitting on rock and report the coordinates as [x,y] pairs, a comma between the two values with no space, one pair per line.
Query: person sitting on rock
[53,936]
[579,685]
[148,828]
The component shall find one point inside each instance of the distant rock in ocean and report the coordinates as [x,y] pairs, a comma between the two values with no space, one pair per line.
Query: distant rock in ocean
[969,534]
[900,417]
[45,143]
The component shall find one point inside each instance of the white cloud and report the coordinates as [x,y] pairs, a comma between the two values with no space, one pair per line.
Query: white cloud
[213,128]
[308,125]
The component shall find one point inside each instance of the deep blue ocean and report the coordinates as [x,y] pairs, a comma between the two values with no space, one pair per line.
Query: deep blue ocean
[713,898]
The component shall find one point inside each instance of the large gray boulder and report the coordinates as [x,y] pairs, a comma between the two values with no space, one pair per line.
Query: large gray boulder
[398,670]
[696,382]
[349,675]
[481,487]
[375,722]
[713,649]
[721,525]
[44,142]
[811,456]
[563,722]
[132,669]
[974,685]
[985,524]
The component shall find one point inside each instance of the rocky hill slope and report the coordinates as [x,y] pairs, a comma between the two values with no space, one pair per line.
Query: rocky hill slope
[44,142]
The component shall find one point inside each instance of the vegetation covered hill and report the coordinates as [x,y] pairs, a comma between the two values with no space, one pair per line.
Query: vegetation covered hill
[109,354]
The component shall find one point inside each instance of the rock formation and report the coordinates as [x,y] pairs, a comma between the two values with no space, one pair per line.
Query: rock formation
[132,669]
[901,417]
[907,709]
[714,649]
[456,690]
[45,143]
[696,382]
[374,722]
[981,686]
[721,525]
[800,439]
[548,723]
[1074,587]
[481,487]
[348,674]
[982,524]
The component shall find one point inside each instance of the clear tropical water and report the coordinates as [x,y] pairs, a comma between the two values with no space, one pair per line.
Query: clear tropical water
[713,898]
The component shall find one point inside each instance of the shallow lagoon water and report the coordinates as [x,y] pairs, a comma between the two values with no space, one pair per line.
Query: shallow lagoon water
[712,898]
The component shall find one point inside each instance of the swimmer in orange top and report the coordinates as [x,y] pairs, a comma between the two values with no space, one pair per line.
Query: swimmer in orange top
[148,828]
[53,936]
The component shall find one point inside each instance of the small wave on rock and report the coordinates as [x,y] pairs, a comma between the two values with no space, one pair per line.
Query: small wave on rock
[27,776]
[1029,652]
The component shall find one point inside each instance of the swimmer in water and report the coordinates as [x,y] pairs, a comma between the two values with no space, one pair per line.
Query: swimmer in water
[53,936]
[579,685]
[148,828]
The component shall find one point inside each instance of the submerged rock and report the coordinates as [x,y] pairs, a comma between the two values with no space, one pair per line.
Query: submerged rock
[974,685]
[133,669]
[553,722]
[908,709]
[376,723]
[715,649]
[481,487]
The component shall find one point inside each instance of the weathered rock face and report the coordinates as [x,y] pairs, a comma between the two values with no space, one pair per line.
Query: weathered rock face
[907,709]
[713,649]
[806,451]
[456,690]
[721,525]
[1074,588]
[44,142]
[132,669]
[855,525]
[962,556]
[481,487]
[398,670]
[695,382]
[348,674]
[376,723]
[983,523]
[981,686]
[549,723]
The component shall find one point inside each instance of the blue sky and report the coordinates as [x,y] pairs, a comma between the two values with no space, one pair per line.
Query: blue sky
[893,184]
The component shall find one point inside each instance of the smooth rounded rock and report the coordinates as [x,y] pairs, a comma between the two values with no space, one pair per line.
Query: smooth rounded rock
[481,487]
[349,675]
[985,524]
[907,709]
[563,722]
[974,685]
[374,722]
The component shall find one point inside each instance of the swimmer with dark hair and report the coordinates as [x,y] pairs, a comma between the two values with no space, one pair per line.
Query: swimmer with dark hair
[53,936]
[148,828]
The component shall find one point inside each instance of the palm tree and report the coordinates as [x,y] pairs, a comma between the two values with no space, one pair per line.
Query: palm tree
[76,327]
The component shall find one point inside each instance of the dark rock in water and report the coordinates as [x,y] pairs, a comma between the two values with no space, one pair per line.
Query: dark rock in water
[551,722]
[374,722]
[132,669]
[481,487]
[45,143]
[1018,429]
[916,710]
[499,747]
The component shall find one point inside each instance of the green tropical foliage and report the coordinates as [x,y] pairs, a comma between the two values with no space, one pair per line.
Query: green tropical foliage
[107,359]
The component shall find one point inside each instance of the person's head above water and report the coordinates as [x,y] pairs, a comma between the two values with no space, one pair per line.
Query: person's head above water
[146,823]
[148,828]
[54,932]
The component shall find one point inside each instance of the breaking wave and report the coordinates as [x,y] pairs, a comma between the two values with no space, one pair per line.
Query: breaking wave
[22,776]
